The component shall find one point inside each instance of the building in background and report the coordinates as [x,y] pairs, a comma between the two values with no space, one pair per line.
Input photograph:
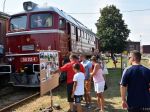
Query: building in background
[145,49]
[132,45]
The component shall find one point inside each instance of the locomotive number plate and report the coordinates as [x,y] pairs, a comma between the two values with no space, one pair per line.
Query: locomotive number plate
[28,59]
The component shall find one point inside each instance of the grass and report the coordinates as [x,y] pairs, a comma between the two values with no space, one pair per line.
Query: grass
[112,95]
[110,63]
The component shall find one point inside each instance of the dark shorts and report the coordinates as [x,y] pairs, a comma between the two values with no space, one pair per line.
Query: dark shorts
[69,92]
[78,98]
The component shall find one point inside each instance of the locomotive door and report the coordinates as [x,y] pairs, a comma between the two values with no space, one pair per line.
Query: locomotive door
[49,62]
[69,36]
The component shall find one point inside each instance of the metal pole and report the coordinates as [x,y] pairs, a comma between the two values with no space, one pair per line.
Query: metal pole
[4,5]
[51,95]
[121,64]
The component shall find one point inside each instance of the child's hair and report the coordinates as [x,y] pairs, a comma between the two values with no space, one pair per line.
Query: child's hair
[76,66]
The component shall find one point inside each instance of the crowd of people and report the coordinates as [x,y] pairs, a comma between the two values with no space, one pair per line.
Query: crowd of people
[80,73]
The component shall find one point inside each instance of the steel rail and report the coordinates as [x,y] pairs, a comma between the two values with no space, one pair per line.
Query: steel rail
[18,102]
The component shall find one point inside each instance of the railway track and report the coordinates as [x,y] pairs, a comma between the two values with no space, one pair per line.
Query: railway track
[7,108]
[6,90]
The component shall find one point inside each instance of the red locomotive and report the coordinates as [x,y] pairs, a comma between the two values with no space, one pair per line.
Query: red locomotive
[38,29]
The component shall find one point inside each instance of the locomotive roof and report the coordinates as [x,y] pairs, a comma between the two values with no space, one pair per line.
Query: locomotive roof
[62,14]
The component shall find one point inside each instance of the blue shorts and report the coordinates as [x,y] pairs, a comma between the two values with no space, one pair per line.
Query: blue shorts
[78,98]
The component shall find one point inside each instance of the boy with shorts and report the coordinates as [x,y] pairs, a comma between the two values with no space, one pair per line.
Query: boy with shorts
[78,86]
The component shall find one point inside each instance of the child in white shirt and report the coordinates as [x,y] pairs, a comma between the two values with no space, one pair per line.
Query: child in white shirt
[78,87]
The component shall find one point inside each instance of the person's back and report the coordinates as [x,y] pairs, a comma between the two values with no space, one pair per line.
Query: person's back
[78,86]
[70,73]
[87,66]
[98,77]
[79,77]
[138,78]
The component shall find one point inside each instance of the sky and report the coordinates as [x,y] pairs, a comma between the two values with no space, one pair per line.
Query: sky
[138,21]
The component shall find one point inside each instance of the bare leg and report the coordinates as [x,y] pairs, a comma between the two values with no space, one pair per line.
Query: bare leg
[101,101]
[98,100]
[79,107]
[71,106]
[87,98]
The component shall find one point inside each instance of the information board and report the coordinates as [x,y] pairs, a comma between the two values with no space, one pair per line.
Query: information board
[49,62]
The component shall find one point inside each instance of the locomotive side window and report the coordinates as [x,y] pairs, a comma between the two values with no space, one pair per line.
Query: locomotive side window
[79,32]
[73,30]
[41,20]
[18,23]
[62,23]
[82,34]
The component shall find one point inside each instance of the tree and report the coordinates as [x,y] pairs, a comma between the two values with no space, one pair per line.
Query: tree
[112,30]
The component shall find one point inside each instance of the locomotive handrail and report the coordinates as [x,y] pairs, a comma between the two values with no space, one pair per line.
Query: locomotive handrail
[27,54]
[35,32]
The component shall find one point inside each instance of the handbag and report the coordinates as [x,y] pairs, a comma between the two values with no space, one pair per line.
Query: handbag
[105,87]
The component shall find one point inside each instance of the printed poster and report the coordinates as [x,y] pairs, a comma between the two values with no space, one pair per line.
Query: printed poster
[49,62]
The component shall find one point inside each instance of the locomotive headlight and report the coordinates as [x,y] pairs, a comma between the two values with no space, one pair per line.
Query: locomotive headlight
[28,6]
[28,39]
[10,59]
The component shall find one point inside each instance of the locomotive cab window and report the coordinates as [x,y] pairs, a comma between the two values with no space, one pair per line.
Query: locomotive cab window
[41,20]
[62,23]
[18,23]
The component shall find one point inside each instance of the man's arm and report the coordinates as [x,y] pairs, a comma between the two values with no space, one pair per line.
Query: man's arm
[64,68]
[123,87]
[74,88]
[123,91]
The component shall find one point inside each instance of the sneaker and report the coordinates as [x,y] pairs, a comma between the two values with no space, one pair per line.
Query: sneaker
[86,105]
[89,107]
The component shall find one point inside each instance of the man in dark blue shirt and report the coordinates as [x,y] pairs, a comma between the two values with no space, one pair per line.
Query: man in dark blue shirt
[136,82]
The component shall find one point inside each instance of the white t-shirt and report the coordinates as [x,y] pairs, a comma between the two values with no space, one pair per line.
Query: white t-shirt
[79,78]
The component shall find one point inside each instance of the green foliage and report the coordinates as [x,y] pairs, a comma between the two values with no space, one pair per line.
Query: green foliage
[112,30]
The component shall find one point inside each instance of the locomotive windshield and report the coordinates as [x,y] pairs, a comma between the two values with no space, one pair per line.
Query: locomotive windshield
[41,20]
[18,23]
